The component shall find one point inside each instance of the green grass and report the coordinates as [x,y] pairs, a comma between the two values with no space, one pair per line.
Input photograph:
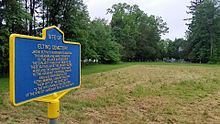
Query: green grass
[141,91]
[191,90]
[4,84]
[97,68]
[154,92]
[4,87]
[185,90]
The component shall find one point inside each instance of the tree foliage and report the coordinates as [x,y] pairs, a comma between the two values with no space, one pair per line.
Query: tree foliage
[176,49]
[12,16]
[131,35]
[107,50]
[203,36]
[137,32]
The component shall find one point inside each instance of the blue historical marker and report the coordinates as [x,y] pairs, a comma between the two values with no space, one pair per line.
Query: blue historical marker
[41,66]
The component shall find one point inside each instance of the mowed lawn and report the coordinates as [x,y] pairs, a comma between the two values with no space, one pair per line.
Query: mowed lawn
[131,93]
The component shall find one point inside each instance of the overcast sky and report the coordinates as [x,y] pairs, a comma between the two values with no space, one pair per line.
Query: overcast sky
[172,11]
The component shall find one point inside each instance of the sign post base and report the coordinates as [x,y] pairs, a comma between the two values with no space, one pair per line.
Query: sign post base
[52,121]
[53,109]
[53,102]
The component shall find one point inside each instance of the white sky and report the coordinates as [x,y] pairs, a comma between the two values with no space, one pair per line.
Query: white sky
[172,11]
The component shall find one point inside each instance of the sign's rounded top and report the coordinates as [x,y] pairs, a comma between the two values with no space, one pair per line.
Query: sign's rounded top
[53,33]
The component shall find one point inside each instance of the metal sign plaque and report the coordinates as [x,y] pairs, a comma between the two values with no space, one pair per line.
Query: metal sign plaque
[41,66]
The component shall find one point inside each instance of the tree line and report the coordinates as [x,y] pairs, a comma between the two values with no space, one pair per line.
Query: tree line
[202,42]
[131,35]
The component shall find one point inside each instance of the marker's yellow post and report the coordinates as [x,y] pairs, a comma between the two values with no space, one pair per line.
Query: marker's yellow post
[53,104]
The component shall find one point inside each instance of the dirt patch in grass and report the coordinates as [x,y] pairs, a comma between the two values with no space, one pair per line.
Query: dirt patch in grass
[136,94]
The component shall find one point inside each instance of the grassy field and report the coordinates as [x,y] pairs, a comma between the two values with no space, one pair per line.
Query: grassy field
[131,93]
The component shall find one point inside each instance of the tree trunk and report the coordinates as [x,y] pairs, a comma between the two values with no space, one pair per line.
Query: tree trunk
[43,16]
[32,7]
[47,23]
[211,47]
[34,25]
[26,21]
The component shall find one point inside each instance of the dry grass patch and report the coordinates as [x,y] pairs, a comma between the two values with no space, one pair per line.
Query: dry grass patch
[136,94]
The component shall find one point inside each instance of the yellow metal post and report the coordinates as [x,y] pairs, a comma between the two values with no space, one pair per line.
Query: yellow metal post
[53,102]
[53,111]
